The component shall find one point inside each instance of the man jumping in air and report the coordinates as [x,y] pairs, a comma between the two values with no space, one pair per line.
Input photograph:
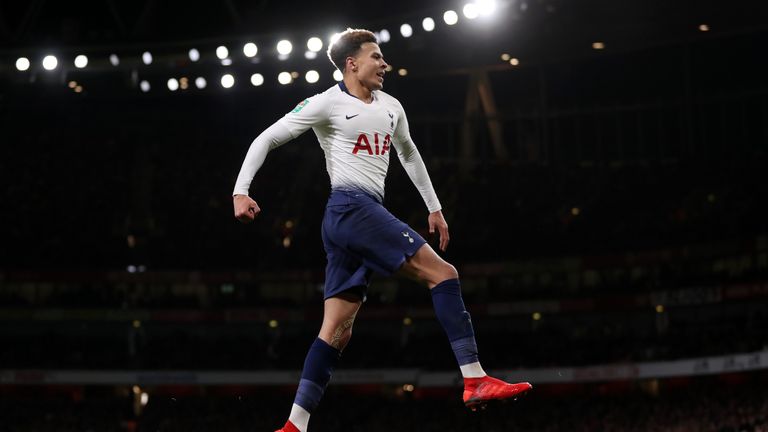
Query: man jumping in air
[357,125]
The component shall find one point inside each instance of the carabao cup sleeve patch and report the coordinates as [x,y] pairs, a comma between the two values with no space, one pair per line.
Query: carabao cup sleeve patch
[300,106]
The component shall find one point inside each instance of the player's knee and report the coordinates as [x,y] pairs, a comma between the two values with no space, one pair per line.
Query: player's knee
[443,273]
[447,272]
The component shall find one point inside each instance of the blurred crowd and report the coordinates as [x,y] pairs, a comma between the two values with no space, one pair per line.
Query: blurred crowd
[706,405]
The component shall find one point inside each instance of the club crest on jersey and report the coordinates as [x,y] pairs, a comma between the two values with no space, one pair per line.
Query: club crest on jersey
[363,143]
[391,119]
[300,106]
[407,235]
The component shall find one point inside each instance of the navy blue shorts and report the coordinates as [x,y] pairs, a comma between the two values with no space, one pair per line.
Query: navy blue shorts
[361,237]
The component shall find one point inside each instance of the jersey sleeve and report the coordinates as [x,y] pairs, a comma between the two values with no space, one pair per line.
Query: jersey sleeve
[308,113]
[411,159]
[311,112]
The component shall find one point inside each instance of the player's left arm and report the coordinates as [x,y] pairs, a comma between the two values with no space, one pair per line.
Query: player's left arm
[414,165]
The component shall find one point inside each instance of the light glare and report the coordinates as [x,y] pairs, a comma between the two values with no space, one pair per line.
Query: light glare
[81,61]
[147,58]
[406,30]
[50,62]
[450,17]
[200,83]
[22,63]
[227,81]
[312,76]
[257,79]
[337,75]
[428,24]
[470,11]
[384,35]
[144,86]
[194,55]
[486,7]
[173,85]
[222,52]
[284,78]
[315,44]
[114,59]
[284,47]
[250,49]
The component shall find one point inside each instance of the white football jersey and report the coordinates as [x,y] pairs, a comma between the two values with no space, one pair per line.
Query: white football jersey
[356,138]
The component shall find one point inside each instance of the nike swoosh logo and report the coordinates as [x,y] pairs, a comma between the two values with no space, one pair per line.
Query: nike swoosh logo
[352,116]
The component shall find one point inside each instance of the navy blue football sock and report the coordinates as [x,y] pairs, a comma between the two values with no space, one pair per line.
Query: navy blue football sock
[318,367]
[450,311]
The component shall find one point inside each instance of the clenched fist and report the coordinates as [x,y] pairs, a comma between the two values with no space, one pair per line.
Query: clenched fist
[246,209]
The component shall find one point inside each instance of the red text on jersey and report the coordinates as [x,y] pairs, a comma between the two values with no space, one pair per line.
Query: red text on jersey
[363,143]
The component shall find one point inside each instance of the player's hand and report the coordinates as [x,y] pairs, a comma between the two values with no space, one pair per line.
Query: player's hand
[246,209]
[436,220]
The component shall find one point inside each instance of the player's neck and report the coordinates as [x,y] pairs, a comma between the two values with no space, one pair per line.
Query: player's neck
[358,90]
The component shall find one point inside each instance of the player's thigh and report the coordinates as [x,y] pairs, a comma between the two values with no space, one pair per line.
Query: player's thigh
[427,267]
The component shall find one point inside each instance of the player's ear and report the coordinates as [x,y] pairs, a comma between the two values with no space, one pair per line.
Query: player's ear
[351,64]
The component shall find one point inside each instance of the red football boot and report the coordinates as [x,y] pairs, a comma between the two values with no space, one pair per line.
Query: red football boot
[289,427]
[480,391]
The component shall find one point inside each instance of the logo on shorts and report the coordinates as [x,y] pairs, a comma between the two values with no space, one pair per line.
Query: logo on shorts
[407,235]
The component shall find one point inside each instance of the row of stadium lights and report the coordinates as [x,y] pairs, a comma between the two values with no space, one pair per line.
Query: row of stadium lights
[284,47]
[228,80]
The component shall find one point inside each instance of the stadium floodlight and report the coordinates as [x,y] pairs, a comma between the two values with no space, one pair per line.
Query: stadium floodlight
[314,44]
[310,55]
[50,62]
[337,75]
[173,85]
[284,78]
[312,76]
[384,36]
[450,17]
[226,62]
[486,7]
[194,55]
[334,38]
[22,63]
[284,47]
[406,30]
[222,52]
[114,59]
[428,24]
[470,11]
[250,49]
[257,79]
[147,58]
[227,81]
[144,86]
[200,83]
[81,61]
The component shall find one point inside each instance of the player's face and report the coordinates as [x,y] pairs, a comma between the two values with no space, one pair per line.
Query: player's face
[370,66]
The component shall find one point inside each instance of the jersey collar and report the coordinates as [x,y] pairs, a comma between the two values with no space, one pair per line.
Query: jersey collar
[344,88]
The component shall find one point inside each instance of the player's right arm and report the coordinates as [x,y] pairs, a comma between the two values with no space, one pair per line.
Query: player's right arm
[310,112]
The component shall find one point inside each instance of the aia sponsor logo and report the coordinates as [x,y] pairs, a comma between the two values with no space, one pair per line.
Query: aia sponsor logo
[363,143]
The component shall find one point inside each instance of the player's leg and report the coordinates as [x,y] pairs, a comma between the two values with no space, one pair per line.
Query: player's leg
[323,356]
[429,269]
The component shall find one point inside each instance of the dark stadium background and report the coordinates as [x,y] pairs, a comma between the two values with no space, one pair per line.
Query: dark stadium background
[601,164]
